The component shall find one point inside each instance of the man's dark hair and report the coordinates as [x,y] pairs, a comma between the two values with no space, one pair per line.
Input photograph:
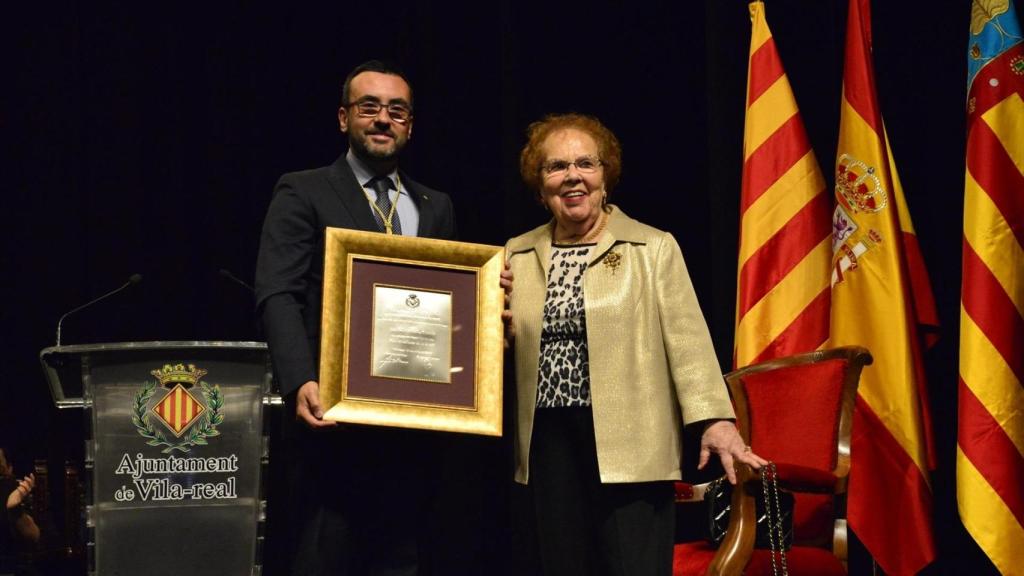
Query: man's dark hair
[373,66]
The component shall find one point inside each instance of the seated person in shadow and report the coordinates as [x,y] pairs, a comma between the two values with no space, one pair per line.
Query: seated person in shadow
[19,533]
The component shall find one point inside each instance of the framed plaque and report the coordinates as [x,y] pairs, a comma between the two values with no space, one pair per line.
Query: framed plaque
[411,332]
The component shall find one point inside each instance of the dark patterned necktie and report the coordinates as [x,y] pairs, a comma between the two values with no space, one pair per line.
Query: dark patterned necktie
[383,185]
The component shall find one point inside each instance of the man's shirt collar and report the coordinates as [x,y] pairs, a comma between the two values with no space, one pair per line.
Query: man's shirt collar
[364,174]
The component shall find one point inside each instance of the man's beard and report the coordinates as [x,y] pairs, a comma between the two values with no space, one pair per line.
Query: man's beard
[362,150]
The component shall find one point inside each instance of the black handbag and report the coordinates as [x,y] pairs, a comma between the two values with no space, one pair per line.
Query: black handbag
[774,512]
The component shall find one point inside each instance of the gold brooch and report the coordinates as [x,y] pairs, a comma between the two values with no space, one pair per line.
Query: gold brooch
[613,260]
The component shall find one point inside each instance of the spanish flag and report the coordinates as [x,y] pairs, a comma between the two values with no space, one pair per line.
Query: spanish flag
[782,298]
[990,441]
[881,299]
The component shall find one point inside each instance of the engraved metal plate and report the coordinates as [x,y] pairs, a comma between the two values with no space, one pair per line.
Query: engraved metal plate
[412,334]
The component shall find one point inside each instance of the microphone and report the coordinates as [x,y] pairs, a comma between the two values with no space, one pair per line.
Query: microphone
[132,280]
[226,274]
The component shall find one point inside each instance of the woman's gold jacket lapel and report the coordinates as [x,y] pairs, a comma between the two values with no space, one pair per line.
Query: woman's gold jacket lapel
[652,363]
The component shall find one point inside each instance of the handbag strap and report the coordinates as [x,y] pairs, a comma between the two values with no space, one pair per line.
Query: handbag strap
[773,511]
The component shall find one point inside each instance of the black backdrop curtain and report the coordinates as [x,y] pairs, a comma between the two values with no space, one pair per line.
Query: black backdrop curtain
[148,140]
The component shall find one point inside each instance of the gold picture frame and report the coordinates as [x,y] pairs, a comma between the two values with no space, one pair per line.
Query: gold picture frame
[355,264]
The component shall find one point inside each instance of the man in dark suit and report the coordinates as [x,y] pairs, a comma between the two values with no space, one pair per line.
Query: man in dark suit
[364,503]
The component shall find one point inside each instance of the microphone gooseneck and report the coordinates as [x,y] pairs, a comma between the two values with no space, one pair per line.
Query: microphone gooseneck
[227,275]
[132,280]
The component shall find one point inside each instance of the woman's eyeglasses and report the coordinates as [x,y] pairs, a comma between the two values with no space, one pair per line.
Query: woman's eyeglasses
[583,164]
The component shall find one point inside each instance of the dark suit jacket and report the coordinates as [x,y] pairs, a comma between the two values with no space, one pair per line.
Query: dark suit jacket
[289,269]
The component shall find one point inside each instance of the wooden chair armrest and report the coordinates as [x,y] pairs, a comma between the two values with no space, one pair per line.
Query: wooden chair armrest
[738,546]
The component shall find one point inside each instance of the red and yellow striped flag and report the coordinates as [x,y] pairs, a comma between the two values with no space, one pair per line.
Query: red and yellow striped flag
[990,441]
[782,297]
[881,300]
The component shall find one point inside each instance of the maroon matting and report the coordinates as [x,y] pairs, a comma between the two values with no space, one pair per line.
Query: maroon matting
[362,385]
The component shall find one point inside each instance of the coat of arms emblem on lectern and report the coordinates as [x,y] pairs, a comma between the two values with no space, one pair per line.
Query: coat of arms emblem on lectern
[178,420]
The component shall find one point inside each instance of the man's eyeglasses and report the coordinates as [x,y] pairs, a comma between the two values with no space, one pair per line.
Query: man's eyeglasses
[584,164]
[369,109]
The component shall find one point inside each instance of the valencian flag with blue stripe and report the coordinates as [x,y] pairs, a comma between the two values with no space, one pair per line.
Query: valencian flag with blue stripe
[881,299]
[990,441]
[782,297]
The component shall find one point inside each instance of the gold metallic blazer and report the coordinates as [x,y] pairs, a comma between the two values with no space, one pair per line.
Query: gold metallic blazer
[652,364]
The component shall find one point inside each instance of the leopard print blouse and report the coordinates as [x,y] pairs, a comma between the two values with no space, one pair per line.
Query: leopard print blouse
[564,371]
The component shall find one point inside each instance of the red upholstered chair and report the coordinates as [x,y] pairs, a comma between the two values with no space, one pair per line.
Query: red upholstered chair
[797,412]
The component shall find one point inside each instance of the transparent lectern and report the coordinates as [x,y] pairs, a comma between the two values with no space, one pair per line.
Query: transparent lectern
[175,450]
